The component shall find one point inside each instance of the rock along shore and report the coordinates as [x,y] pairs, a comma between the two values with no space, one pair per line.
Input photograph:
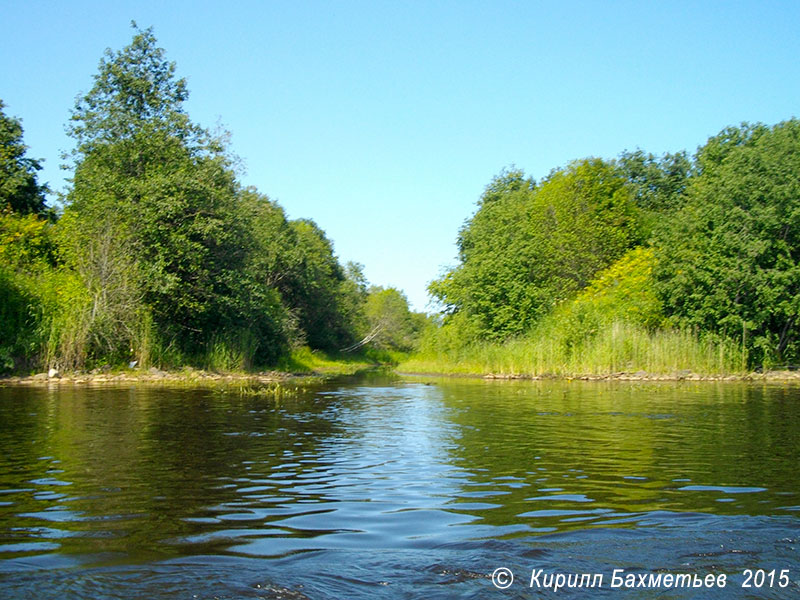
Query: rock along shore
[685,375]
[190,376]
[152,375]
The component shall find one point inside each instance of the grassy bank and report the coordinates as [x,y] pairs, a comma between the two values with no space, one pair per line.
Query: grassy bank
[305,360]
[619,347]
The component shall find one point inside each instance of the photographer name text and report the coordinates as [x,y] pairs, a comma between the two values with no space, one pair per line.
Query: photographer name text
[503,578]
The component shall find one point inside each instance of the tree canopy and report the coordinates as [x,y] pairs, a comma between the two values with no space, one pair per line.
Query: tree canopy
[728,261]
[134,89]
[528,247]
[161,232]
[162,256]
[392,324]
[19,189]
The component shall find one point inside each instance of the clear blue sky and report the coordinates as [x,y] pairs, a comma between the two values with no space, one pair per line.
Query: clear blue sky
[383,121]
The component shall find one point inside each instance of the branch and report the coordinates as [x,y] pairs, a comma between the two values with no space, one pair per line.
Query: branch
[367,339]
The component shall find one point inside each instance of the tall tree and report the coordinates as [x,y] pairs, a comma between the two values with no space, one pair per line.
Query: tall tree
[134,88]
[728,261]
[19,189]
[157,192]
[529,247]
[319,290]
[392,324]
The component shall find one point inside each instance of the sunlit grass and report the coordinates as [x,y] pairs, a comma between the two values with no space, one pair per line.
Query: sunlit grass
[617,347]
[305,360]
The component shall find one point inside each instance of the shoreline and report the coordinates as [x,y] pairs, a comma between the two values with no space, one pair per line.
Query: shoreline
[685,375]
[186,376]
[202,378]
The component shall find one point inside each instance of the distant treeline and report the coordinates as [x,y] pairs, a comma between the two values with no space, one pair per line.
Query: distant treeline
[644,262]
[159,255]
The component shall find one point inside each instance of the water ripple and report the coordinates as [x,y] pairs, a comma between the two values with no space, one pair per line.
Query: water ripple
[390,490]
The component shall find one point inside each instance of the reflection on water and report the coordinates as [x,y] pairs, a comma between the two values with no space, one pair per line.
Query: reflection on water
[394,488]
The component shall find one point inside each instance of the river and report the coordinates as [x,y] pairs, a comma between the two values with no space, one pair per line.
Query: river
[402,488]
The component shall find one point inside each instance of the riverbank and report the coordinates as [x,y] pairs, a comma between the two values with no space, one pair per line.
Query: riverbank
[303,367]
[201,378]
[620,350]
[685,375]
[154,375]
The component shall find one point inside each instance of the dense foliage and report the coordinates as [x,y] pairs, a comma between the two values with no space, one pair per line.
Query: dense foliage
[528,248]
[707,244]
[19,189]
[392,325]
[160,256]
[728,261]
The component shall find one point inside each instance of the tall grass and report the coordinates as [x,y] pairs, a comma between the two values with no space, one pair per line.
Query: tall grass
[616,347]
[306,360]
[232,351]
[614,325]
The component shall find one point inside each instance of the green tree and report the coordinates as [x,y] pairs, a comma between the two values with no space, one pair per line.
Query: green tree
[486,294]
[134,88]
[271,266]
[19,189]
[658,183]
[26,249]
[323,301]
[353,293]
[528,247]
[273,239]
[392,324]
[728,261]
[151,222]
[318,290]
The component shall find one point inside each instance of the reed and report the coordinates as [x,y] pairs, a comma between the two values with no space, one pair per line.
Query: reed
[616,347]
[231,351]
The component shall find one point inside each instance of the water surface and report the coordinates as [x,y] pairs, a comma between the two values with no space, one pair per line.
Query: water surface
[396,488]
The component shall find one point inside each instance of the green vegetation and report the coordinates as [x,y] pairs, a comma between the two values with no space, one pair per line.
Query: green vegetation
[656,264]
[393,327]
[528,248]
[19,189]
[728,262]
[613,325]
[160,257]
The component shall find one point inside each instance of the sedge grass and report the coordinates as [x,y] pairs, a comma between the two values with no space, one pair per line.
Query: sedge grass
[614,348]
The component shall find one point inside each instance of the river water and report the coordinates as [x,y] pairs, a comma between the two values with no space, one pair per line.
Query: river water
[401,488]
